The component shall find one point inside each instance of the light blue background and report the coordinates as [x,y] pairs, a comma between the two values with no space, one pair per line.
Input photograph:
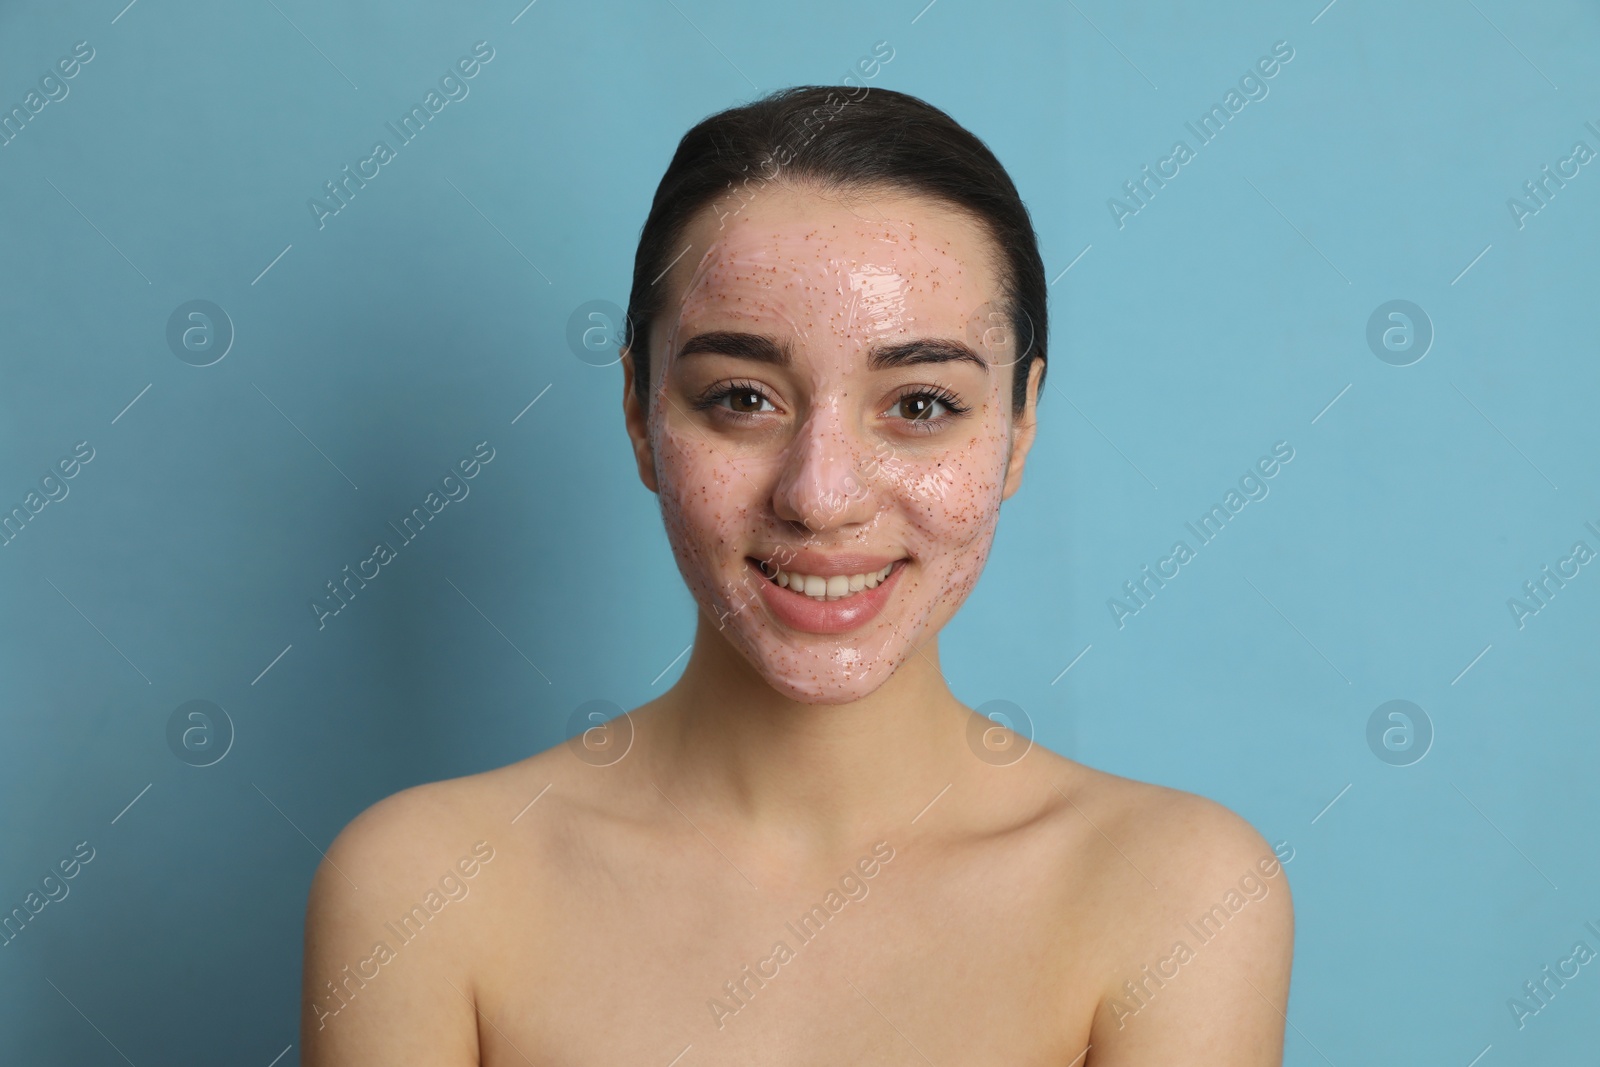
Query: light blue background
[1223,317]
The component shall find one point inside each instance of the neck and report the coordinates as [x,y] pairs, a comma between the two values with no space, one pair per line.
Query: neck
[812,777]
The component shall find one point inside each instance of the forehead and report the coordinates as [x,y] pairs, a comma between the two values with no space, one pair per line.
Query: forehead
[887,260]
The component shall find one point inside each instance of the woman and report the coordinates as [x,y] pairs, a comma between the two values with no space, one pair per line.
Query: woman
[808,850]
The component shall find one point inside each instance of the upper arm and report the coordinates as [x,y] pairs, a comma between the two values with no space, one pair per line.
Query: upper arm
[378,989]
[1204,980]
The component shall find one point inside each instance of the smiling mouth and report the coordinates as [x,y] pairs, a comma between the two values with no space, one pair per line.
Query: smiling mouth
[831,587]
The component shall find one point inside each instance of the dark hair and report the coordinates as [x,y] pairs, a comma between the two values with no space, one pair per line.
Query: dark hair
[881,138]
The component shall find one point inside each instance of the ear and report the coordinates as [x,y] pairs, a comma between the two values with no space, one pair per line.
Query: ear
[636,417]
[1022,434]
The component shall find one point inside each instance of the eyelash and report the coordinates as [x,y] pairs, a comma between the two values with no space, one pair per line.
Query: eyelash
[717,394]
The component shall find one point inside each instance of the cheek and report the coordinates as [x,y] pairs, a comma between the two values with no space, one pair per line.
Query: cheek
[953,500]
[705,502]
[953,504]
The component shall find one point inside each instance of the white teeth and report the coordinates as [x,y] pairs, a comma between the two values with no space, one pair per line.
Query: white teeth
[833,587]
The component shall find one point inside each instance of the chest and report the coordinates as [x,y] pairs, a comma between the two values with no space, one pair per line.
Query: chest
[902,967]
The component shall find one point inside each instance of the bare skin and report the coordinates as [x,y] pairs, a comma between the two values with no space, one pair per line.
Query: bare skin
[758,868]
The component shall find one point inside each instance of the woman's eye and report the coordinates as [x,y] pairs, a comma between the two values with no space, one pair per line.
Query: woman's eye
[918,407]
[747,401]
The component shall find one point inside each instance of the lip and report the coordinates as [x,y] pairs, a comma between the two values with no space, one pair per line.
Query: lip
[800,612]
[825,564]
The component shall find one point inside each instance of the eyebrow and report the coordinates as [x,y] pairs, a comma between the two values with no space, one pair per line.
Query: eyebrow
[759,348]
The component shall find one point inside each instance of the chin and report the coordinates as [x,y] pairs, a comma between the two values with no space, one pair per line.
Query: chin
[854,655]
[819,677]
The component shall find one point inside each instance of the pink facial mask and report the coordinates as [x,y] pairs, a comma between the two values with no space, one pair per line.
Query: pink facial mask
[838,482]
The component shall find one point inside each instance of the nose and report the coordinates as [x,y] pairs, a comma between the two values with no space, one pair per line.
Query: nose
[824,483]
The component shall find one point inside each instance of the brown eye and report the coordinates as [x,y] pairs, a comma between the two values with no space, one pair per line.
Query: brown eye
[739,400]
[916,407]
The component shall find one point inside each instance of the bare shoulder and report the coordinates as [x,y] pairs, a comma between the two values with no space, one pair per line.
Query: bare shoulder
[1196,964]
[1183,836]
[391,949]
[413,836]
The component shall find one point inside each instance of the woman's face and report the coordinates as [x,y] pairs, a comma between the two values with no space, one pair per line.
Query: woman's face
[830,429]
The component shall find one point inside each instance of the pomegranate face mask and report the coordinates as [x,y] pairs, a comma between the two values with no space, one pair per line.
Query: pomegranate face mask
[830,433]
